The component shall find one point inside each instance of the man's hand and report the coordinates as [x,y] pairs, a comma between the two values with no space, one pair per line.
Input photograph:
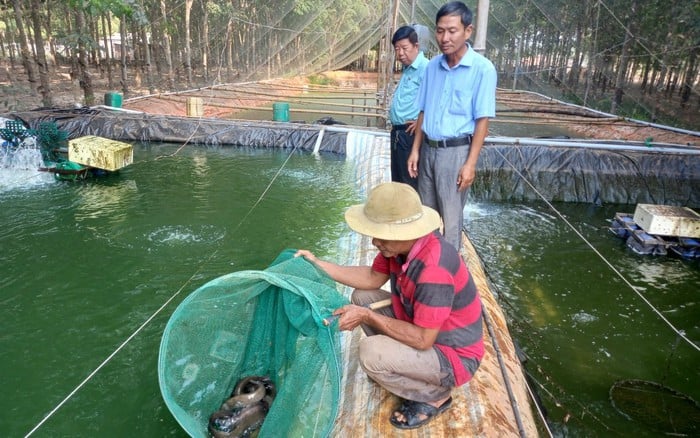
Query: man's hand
[351,316]
[411,126]
[308,255]
[466,177]
[412,164]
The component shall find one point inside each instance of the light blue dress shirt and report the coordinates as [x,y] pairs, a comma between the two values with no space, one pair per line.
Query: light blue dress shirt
[453,98]
[403,104]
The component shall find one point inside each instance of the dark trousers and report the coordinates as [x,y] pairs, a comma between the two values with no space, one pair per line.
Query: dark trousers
[401,145]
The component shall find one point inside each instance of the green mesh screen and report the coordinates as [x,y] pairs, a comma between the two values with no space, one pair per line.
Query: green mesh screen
[256,323]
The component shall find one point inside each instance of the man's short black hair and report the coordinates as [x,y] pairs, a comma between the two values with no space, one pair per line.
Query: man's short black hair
[404,32]
[458,9]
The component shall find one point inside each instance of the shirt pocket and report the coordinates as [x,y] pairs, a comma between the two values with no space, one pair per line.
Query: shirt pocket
[461,103]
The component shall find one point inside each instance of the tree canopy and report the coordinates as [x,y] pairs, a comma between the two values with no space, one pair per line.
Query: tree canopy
[634,57]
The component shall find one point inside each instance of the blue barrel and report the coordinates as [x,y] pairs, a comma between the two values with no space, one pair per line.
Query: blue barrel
[280,112]
[113,99]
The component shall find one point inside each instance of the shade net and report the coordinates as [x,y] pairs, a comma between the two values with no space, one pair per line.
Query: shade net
[256,323]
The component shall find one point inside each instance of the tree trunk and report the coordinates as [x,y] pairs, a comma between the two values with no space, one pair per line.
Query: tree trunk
[229,51]
[82,62]
[205,40]
[690,74]
[166,46]
[137,58]
[188,45]
[107,38]
[24,45]
[12,45]
[122,55]
[3,54]
[147,59]
[624,59]
[44,80]
[93,49]
[49,34]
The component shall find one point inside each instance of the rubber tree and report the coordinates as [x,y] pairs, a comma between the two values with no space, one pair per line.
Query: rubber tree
[166,45]
[25,52]
[44,80]
[188,42]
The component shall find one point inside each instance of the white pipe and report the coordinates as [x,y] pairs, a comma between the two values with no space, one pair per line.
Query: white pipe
[317,146]
[339,128]
[112,108]
[592,144]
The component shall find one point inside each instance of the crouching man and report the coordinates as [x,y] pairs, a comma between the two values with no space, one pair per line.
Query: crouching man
[430,340]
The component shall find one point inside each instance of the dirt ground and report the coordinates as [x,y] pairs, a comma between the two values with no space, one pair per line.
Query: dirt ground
[17,95]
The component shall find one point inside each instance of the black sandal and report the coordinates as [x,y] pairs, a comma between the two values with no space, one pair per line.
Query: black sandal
[412,409]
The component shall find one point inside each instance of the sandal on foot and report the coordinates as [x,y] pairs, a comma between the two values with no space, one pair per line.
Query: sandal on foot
[412,410]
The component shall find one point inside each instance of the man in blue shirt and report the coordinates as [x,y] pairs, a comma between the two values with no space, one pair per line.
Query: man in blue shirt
[456,99]
[403,111]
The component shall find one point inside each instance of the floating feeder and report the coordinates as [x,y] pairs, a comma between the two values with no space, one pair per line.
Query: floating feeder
[659,229]
[100,152]
[667,220]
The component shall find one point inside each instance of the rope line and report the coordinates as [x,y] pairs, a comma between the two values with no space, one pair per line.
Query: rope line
[118,349]
[504,373]
[503,301]
[165,304]
[678,332]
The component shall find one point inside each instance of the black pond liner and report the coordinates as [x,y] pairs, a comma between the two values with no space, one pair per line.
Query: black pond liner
[657,406]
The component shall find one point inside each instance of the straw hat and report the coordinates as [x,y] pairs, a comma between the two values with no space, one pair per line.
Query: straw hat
[393,211]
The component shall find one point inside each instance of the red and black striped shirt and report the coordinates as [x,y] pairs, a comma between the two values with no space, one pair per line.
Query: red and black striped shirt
[432,288]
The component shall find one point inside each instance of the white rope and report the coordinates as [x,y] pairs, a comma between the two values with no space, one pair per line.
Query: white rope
[114,353]
[678,332]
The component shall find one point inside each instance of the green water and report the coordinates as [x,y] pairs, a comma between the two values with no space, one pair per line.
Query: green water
[84,265]
[582,326]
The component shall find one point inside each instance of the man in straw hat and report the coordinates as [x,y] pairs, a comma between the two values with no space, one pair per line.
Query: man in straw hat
[430,339]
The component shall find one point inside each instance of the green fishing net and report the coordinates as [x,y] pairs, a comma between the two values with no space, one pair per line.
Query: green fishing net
[265,323]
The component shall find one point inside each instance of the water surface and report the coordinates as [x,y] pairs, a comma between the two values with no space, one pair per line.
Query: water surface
[85,264]
[576,306]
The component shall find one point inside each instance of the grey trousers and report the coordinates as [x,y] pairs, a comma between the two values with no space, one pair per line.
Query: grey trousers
[438,169]
[404,371]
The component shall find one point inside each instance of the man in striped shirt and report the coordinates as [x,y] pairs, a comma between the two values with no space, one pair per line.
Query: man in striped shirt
[430,340]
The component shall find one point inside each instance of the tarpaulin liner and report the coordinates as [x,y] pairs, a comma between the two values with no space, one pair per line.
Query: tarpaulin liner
[585,174]
[606,173]
[131,126]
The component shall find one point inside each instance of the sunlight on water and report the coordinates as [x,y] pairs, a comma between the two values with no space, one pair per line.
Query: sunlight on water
[184,235]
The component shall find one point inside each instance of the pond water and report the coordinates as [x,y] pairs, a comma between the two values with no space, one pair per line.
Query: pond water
[83,265]
[582,309]
[91,272]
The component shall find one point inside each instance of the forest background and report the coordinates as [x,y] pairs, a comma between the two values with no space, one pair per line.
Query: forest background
[635,58]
